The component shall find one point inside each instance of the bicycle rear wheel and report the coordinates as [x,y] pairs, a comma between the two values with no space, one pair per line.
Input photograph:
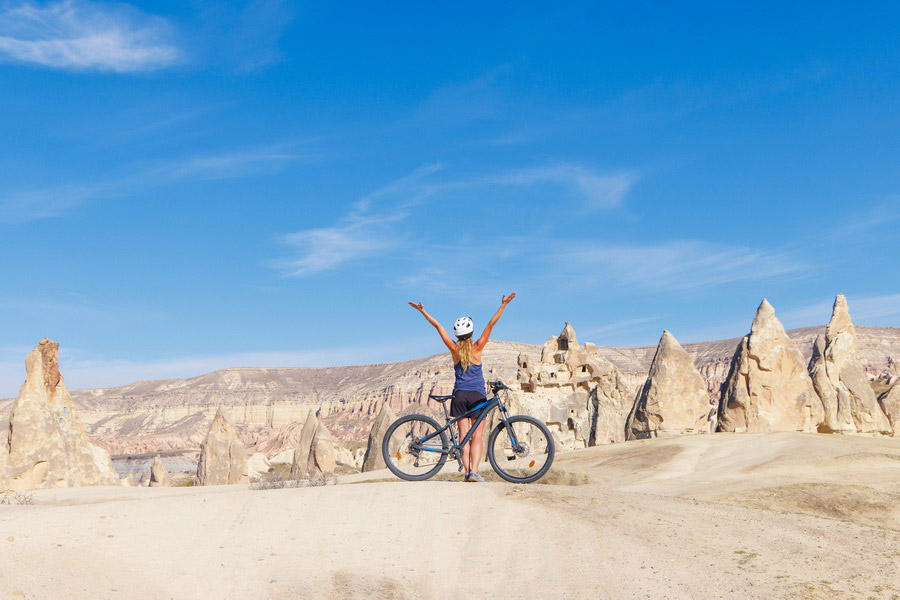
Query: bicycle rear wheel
[407,455]
[521,450]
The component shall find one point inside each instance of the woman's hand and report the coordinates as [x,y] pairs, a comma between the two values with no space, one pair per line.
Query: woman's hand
[420,307]
[506,299]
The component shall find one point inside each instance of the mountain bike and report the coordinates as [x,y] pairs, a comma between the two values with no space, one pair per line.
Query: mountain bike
[520,448]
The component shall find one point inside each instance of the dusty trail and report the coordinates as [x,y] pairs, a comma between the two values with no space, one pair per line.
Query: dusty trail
[443,539]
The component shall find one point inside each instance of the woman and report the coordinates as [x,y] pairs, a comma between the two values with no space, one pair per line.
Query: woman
[468,391]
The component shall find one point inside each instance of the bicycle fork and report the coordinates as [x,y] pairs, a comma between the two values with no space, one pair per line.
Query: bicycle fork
[504,416]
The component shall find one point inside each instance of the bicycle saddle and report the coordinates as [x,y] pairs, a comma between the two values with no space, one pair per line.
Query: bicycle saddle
[440,398]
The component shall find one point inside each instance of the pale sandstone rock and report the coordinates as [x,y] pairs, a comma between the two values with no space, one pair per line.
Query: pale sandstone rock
[47,447]
[673,400]
[283,457]
[223,457]
[768,387]
[321,454]
[4,459]
[890,404]
[300,463]
[373,459]
[348,457]
[258,465]
[575,390]
[837,414]
[159,476]
[841,381]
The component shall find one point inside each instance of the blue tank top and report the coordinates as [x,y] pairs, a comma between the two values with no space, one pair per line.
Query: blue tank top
[472,379]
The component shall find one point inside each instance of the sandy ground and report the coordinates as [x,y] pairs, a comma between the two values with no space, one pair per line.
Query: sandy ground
[701,517]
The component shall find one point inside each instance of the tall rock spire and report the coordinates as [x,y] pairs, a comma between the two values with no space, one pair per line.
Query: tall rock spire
[768,387]
[837,372]
[223,458]
[4,458]
[890,404]
[47,446]
[673,400]
[373,459]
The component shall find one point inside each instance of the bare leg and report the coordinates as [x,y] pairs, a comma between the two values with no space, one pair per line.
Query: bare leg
[475,446]
[464,426]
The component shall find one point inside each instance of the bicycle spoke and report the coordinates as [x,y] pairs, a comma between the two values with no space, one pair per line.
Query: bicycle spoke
[409,454]
[524,455]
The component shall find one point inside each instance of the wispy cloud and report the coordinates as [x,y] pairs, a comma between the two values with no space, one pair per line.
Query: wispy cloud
[53,201]
[866,310]
[253,29]
[369,228]
[325,248]
[362,233]
[677,265]
[81,35]
[599,190]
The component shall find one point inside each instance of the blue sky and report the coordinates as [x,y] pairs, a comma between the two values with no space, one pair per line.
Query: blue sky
[187,186]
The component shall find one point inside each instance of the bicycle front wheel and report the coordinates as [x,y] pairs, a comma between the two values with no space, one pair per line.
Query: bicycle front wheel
[521,450]
[414,448]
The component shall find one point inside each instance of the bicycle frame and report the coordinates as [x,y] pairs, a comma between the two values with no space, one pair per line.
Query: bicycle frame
[455,451]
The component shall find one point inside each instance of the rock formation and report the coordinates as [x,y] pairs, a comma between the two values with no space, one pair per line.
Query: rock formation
[223,457]
[159,476]
[46,445]
[300,463]
[674,400]
[890,404]
[321,454]
[768,387]
[373,459]
[258,466]
[4,459]
[837,372]
[576,391]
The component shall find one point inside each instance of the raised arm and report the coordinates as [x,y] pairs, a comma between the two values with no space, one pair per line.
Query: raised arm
[448,341]
[486,334]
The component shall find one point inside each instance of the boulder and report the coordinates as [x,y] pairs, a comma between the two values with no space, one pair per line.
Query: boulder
[47,446]
[321,455]
[284,457]
[300,463]
[159,476]
[890,404]
[840,379]
[768,387]
[673,400]
[223,456]
[258,465]
[373,459]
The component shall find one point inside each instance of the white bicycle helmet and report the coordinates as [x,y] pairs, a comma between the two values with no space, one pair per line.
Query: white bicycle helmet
[463,327]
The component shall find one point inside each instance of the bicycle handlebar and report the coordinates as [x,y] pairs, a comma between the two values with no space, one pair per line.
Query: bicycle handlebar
[496,386]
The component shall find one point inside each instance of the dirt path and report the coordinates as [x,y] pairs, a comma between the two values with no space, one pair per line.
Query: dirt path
[448,540]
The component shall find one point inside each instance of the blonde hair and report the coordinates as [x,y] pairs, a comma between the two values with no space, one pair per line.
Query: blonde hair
[465,349]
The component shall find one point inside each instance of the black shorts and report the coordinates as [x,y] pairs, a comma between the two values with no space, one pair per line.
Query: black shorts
[464,401]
